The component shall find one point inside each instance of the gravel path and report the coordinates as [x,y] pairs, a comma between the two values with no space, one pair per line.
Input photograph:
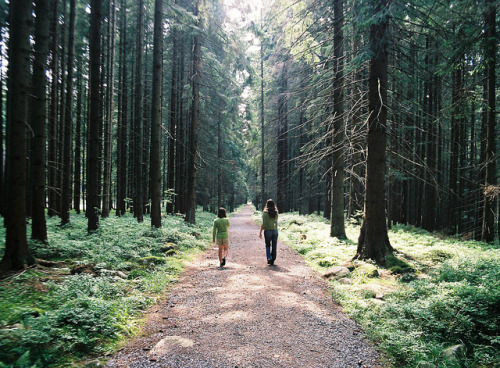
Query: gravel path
[248,314]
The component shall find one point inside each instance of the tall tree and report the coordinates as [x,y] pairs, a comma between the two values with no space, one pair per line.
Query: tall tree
[219,159]
[262,125]
[3,21]
[39,119]
[195,118]
[110,95]
[78,141]
[282,141]
[139,114]
[489,209]
[337,222]
[174,113]
[121,164]
[373,242]
[53,111]
[155,169]
[17,254]
[95,115]
[68,121]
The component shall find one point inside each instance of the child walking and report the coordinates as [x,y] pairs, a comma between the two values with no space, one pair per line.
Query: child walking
[220,235]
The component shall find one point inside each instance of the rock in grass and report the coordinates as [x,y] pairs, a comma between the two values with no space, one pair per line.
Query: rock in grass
[367,270]
[336,272]
[93,364]
[345,280]
[349,264]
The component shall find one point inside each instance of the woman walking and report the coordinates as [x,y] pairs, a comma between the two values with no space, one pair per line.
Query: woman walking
[270,227]
[220,235]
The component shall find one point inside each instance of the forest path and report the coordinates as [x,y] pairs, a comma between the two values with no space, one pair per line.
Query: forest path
[248,314]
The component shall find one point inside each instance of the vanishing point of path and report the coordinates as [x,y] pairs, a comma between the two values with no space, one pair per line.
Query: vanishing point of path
[248,314]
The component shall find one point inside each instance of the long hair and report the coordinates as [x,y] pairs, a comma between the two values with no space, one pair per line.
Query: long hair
[271,208]
[221,213]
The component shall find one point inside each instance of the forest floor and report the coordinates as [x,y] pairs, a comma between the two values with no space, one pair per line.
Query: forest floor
[248,314]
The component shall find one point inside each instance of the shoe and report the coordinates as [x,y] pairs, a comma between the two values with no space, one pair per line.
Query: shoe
[269,261]
[272,262]
[223,262]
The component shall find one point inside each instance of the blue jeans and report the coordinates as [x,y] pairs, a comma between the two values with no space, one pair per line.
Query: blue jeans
[271,237]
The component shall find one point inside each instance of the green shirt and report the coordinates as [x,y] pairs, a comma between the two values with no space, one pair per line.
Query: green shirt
[269,223]
[220,228]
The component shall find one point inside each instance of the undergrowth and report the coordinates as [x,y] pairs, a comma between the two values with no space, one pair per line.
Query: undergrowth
[95,296]
[435,303]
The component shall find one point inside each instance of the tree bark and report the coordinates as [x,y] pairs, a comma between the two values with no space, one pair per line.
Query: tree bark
[2,184]
[282,149]
[68,122]
[174,113]
[373,242]
[107,198]
[39,120]
[17,254]
[77,190]
[262,127]
[121,171]
[52,130]
[457,100]
[139,113]
[337,222]
[357,159]
[155,169]
[489,210]
[95,115]
[195,117]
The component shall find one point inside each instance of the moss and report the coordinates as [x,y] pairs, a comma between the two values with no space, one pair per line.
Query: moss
[367,270]
[152,260]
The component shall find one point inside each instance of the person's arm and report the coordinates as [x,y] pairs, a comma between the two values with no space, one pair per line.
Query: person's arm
[214,231]
[261,228]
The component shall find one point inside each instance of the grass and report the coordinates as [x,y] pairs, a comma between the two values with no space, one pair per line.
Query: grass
[435,304]
[94,299]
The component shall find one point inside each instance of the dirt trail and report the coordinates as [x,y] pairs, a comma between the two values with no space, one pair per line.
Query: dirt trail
[248,314]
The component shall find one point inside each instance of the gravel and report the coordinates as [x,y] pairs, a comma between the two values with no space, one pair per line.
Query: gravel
[248,314]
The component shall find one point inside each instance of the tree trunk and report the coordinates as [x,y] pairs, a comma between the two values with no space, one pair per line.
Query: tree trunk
[108,128]
[455,150]
[356,165]
[373,242]
[219,160]
[61,122]
[121,171]
[262,128]
[17,254]
[95,115]
[68,123]
[52,131]
[429,220]
[337,223]
[39,120]
[139,113]
[155,166]
[2,185]
[282,149]
[78,141]
[174,113]
[193,144]
[488,231]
